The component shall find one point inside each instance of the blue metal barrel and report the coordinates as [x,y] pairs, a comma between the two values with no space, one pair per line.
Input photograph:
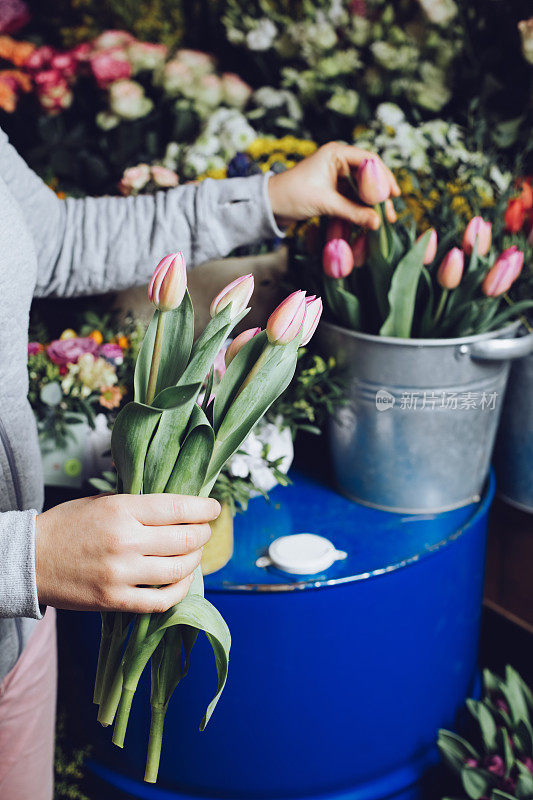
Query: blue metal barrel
[338,682]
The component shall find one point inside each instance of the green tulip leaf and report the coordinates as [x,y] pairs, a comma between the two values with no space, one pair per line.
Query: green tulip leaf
[190,469]
[130,438]
[174,396]
[235,375]
[178,336]
[486,723]
[269,377]
[198,613]
[403,290]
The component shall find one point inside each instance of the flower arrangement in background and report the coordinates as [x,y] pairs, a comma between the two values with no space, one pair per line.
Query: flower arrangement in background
[341,58]
[443,181]
[496,762]
[387,281]
[78,377]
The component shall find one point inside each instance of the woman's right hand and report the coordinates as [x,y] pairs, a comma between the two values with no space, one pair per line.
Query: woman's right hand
[105,553]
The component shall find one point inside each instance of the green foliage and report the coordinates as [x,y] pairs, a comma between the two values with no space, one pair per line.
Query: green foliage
[500,763]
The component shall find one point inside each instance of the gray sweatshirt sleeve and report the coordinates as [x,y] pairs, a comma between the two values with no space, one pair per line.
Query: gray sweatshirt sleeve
[18,592]
[94,245]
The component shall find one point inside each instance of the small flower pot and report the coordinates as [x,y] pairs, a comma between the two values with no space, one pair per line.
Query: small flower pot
[513,456]
[417,430]
[219,549]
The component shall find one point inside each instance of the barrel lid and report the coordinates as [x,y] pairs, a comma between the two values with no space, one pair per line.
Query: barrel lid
[373,541]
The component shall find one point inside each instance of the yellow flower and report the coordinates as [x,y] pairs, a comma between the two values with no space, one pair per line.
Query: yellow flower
[217,174]
[96,336]
[68,333]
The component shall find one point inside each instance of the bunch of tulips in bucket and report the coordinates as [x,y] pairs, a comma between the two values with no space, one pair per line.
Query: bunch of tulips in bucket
[166,441]
[390,283]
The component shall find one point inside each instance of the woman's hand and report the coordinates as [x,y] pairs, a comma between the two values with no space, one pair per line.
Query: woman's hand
[311,188]
[104,553]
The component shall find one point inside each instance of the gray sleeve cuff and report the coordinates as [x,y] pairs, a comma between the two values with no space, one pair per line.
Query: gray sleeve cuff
[232,213]
[18,588]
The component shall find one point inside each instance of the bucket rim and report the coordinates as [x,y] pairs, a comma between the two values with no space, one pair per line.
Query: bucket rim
[395,340]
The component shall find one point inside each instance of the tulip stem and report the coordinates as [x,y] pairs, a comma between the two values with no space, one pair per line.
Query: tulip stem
[440,307]
[156,357]
[522,318]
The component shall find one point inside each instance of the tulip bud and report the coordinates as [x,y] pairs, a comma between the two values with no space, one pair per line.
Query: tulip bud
[238,293]
[337,259]
[478,233]
[285,323]
[373,182]
[515,215]
[503,273]
[431,249]
[338,229]
[169,282]
[313,313]
[450,271]
[359,251]
[239,343]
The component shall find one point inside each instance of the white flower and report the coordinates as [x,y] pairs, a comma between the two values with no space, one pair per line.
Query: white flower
[127,100]
[107,121]
[440,12]
[236,91]
[236,135]
[195,164]
[206,145]
[208,90]
[267,443]
[344,102]
[197,61]
[262,36]
[389,114]
[172,155]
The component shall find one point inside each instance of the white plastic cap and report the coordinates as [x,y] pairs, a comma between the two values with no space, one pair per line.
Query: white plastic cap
[301,554]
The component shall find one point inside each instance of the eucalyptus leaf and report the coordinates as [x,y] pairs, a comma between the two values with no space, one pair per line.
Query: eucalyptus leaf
[476,782]
[51,394]
[486,723]
[403,289]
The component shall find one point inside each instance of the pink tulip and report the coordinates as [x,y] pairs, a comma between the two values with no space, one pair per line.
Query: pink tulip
[503,273]
[337,258]
[477,232]
[359,251]
[169,282]
[312,318]
[450,271]
[239,342]
[238,293]
[285,323]
[431,249]
[373,182]
[338,229]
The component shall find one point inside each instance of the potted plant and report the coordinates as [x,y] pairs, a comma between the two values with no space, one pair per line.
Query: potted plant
[424,331]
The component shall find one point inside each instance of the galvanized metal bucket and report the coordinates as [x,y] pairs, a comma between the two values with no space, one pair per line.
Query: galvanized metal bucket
[417,431]
[513,456]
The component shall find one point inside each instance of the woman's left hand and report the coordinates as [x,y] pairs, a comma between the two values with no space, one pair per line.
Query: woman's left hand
[311,188]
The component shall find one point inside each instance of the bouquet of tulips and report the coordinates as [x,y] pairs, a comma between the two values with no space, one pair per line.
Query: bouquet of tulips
[387,281]
[166,441]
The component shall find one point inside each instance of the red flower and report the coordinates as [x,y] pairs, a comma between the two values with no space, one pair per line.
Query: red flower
[515,215]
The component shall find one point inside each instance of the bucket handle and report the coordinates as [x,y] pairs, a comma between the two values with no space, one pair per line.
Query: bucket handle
[500,349]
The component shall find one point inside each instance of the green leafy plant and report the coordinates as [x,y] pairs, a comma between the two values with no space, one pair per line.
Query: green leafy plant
[497,764]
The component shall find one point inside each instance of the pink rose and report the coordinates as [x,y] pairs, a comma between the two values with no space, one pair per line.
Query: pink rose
[110,66]
[40,58]
[68,351]
[112,353]
[134,179]
[14,15]
[65,63]
[34,348]
[163,177]
[236,91]
[82,52]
